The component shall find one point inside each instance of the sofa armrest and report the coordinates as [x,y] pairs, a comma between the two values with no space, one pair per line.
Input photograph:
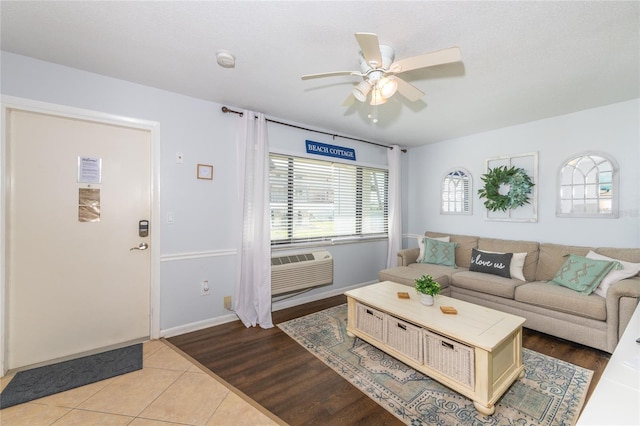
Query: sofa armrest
[622,300]
[408,256]
[629,287]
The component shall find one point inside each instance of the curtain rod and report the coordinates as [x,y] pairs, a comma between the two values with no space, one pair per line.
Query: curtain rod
[228,110]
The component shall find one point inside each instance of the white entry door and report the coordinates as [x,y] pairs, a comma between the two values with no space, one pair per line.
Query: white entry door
[78,274]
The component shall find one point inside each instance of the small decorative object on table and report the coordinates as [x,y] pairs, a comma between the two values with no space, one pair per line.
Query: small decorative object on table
[449,310]
[428,288]
[403,295]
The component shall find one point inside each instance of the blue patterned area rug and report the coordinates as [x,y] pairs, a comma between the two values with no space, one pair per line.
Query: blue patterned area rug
[551,393]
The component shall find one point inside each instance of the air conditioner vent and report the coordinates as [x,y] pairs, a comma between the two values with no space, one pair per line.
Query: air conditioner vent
[283,260]
[300,271]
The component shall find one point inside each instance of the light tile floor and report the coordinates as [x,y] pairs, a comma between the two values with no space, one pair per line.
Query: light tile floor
[169,390]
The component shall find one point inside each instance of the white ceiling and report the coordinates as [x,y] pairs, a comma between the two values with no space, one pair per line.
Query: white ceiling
[521,61]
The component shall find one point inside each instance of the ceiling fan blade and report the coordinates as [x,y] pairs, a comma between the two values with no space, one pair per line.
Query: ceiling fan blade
[349,101]
[408,90]
[329,74]
[370,48]
[439,57]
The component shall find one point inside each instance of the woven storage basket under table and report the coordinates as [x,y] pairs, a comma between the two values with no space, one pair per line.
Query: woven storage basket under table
[449,357]
[370,321]
[404,337]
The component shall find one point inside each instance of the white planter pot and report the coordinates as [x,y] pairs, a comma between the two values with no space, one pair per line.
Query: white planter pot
[426,299]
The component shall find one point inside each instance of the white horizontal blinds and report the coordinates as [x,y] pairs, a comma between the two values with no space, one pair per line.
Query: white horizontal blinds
[464,195]
[448,195]
[346,203]
[375,201]
[314,200]
[279,197]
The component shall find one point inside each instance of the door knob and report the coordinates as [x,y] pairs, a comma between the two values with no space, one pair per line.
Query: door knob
[142,246]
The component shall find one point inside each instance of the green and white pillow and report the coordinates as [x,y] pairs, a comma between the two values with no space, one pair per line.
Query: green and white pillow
[583,274]
[439,253]
[422,241]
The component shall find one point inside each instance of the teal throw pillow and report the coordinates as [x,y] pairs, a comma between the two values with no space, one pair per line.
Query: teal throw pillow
[439,253]
[583,274]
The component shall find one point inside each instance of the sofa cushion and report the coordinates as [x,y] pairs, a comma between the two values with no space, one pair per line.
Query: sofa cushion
[486,283]
[463,250]
[407,274]
[435,271]
[491,263]
[562,299]
[515,246]
[552,257]
[439,253]
[626,254]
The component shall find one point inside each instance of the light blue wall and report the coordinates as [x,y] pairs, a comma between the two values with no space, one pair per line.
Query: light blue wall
[201,244]
[613,129]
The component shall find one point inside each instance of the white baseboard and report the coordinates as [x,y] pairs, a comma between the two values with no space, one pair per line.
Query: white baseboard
[282,304]
[287,303]
[198,325]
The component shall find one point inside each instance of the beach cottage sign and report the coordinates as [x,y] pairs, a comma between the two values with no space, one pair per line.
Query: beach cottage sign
[330,150]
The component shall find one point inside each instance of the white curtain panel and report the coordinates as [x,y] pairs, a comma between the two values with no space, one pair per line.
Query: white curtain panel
[253,283]
[395,205]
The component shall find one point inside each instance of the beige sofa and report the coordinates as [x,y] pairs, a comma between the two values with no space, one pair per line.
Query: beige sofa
[590,320]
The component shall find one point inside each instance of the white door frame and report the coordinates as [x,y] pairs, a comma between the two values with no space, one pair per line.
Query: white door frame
[10,102]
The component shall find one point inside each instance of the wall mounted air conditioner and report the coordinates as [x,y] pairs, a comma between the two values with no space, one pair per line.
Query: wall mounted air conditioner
[300,271]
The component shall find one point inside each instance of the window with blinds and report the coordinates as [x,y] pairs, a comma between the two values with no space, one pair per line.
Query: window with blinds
[314,200]
[456,188]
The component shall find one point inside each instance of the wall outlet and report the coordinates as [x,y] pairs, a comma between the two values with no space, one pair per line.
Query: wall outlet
[204,288]
[227,303]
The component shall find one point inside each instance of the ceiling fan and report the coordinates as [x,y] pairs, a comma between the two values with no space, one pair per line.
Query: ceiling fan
[380,72]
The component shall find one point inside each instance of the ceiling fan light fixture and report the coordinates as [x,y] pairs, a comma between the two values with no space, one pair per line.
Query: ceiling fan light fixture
[377,98]
[361,91]
[379,71]
[387,86]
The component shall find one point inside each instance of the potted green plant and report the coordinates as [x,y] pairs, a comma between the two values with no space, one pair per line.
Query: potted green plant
[428,288]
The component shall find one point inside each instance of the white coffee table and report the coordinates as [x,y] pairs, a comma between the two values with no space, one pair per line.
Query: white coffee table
[477,352]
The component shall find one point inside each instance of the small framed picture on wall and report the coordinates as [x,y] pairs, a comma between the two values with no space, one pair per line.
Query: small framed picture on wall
[205,171]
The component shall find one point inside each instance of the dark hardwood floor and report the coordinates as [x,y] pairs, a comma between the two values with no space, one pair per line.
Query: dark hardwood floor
[286,379]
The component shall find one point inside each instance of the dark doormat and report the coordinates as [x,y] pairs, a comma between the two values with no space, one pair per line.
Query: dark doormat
[48,380]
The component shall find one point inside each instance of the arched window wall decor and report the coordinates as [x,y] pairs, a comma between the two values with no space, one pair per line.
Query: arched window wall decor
[456,192]
[588,186]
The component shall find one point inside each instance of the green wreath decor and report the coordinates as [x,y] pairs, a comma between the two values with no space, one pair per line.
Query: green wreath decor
[520,186]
